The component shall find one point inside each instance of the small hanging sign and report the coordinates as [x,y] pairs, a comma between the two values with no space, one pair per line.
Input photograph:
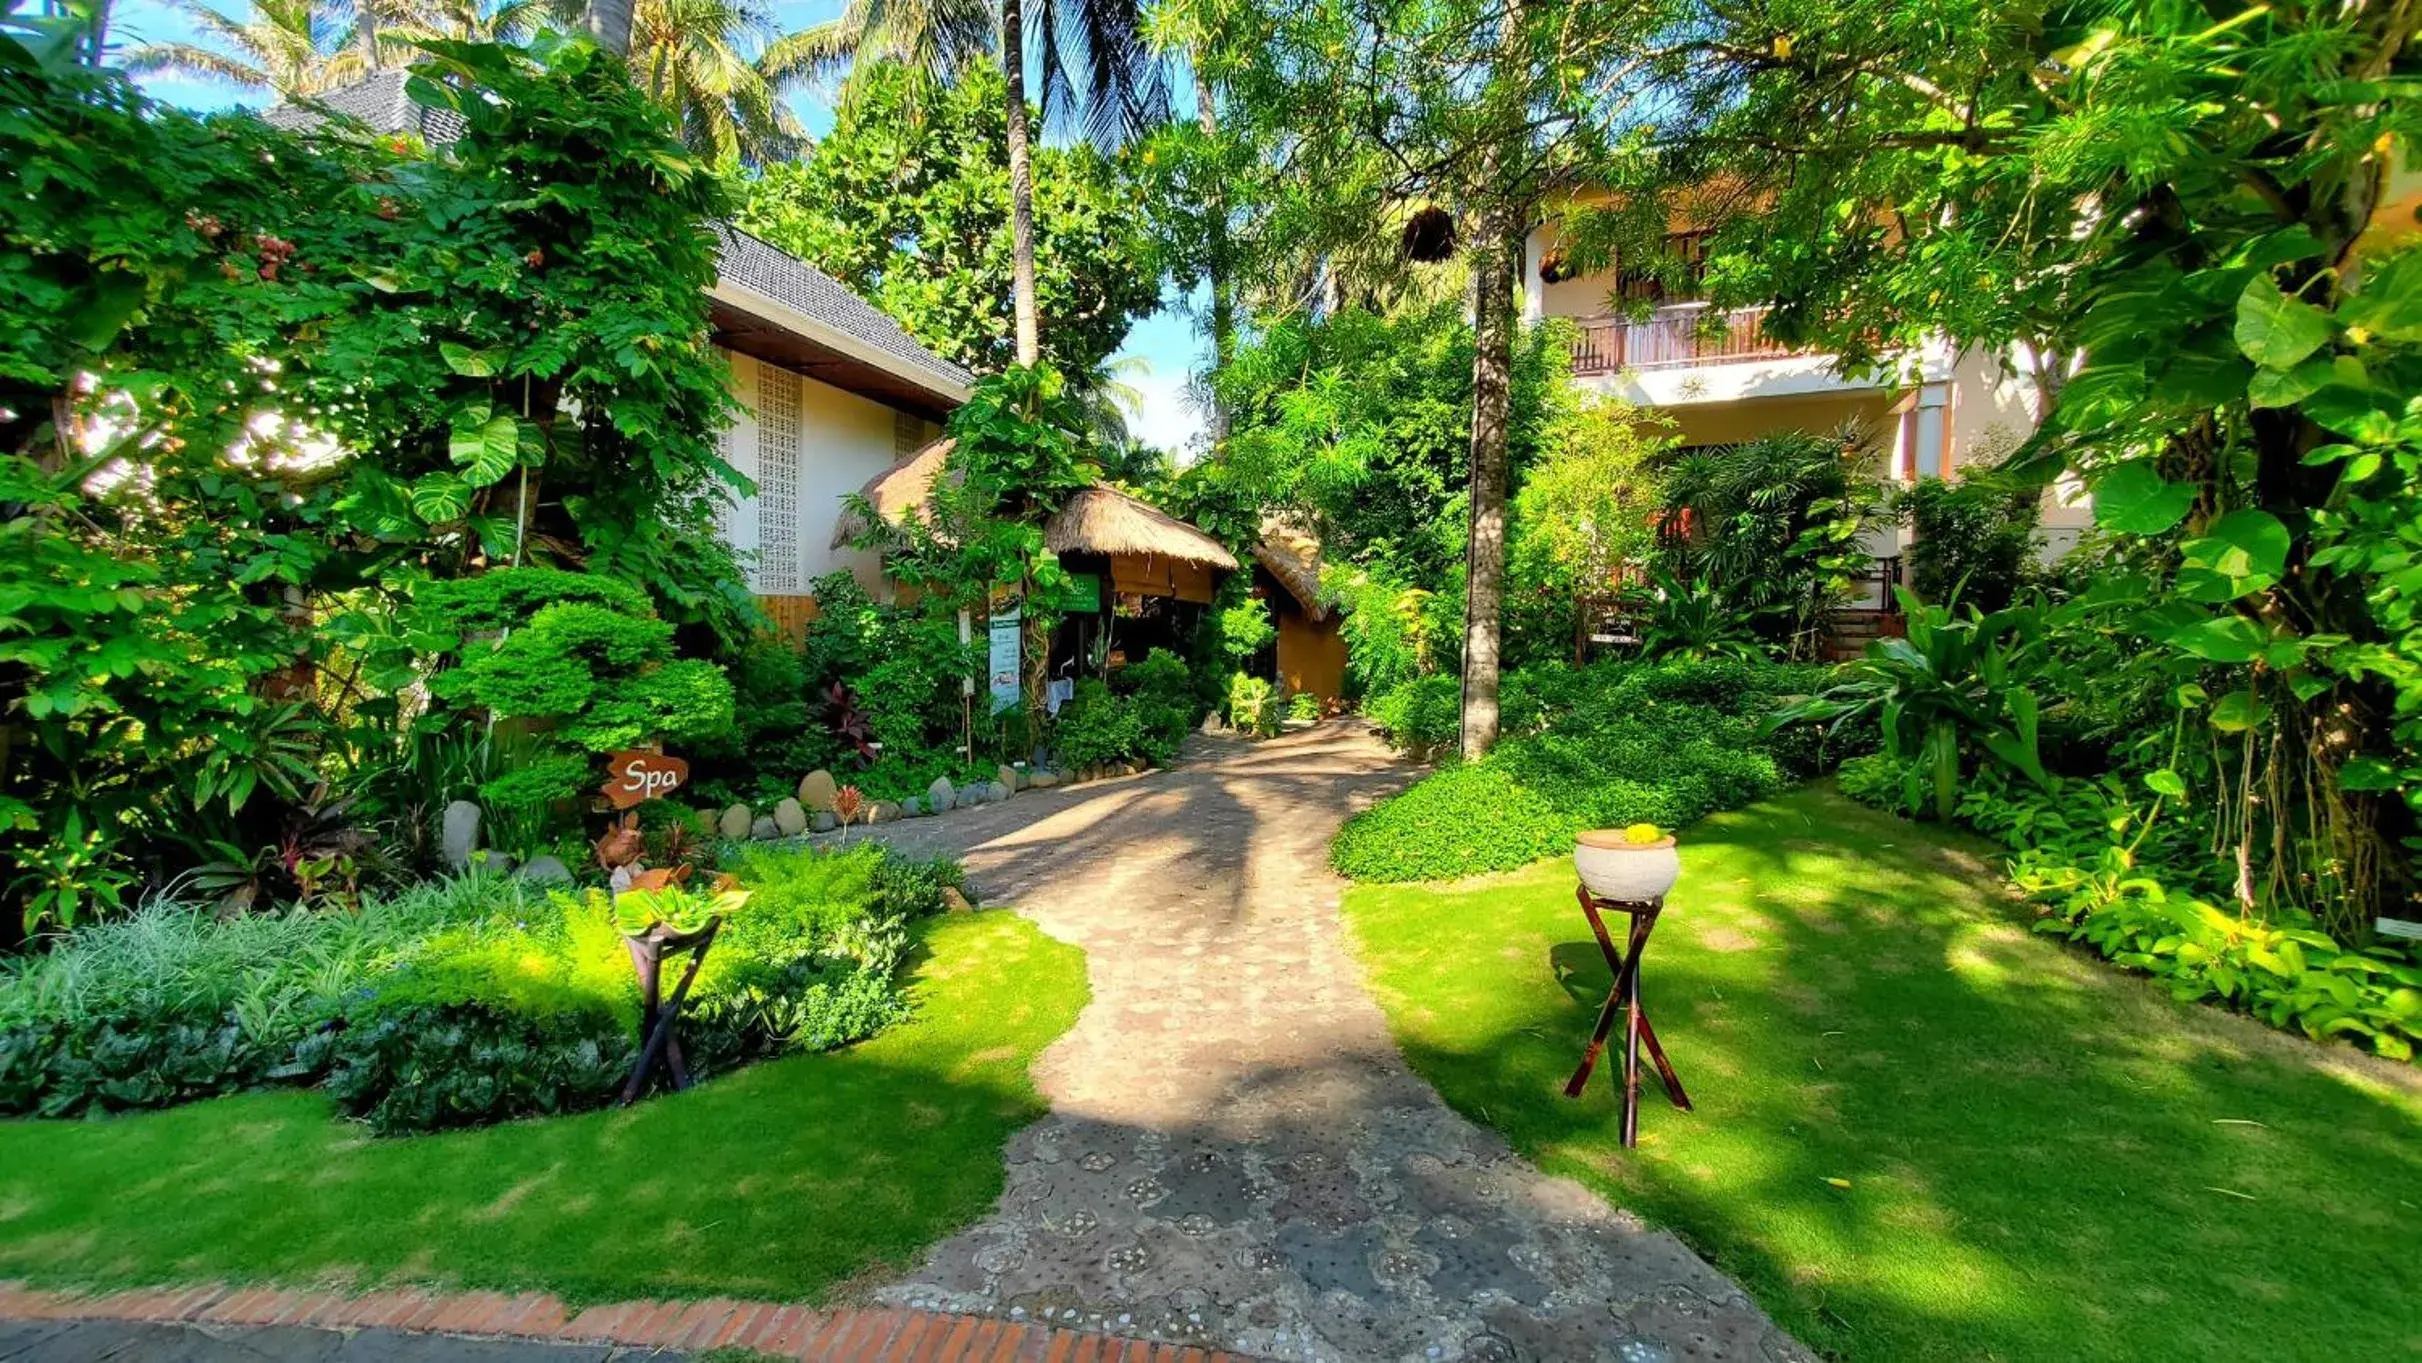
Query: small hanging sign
[636,776]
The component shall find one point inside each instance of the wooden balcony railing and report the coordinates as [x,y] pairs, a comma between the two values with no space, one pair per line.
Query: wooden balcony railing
[1674,338]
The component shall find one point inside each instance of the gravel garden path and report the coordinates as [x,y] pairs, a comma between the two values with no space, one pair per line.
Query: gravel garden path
[1237,1156]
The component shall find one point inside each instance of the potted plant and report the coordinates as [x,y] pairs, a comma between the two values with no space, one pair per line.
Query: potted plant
[675,911]
[1634,864]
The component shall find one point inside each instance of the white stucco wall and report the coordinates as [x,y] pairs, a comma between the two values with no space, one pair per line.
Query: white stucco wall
[807,445]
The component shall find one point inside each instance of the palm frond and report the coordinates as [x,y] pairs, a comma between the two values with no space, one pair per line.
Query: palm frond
[187,59]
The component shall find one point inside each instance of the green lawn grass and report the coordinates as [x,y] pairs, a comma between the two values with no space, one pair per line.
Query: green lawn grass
[2040,1156]
[780,1180]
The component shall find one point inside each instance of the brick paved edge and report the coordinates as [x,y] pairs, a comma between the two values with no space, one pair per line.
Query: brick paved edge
[843,1336]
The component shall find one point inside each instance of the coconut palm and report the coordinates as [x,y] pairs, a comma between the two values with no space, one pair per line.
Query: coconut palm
[292,48]
[1095,66]
[475,21]
[693,56]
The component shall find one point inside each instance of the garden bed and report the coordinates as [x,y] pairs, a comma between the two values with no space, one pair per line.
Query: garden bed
[1604,746]
[1923,1131]
[776,1182]
[476,999]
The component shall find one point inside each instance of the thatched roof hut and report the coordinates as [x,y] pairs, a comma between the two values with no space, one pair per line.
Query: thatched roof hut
[1291,554]
[1145,550]
[898,491]
[1311,654]
[1104,520]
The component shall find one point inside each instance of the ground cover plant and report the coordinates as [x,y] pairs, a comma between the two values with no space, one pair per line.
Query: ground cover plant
[1605,746]
[469,1001]
[778,1182]
[1923,1131]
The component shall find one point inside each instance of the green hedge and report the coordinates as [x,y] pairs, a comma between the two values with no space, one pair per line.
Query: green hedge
[475,1001]
[1595,747]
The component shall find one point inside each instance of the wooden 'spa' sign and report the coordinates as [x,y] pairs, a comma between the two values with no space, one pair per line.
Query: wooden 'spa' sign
[634,777]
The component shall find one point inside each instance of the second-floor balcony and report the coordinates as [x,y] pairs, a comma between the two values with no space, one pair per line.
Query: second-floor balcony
[1679,336]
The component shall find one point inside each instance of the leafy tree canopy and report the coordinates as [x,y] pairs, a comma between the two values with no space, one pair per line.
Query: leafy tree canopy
[907,202]
[1364,421]
[2185,203]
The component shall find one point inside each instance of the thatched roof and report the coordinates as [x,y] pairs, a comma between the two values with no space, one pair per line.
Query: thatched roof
[1104,520]
[1098,520]
[897,491]
[1292,554]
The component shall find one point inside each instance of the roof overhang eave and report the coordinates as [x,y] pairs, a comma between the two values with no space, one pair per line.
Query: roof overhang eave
[776,313]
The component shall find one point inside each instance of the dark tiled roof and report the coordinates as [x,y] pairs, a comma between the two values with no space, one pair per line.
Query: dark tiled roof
[382,104]
[380,101]
[771,272]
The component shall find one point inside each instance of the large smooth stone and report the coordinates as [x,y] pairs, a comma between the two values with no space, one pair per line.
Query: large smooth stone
[817,789]
[765,829]
[882,811]
[1008,776]
[790,818]
[1044,779]
[458,834]
[827,821]
[1001,791]
[940,795]
[735,823]
[547,870]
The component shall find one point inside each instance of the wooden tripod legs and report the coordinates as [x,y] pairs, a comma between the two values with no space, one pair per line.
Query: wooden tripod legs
[1626,1000]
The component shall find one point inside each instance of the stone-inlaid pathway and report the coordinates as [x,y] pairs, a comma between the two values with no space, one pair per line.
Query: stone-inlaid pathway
[1237,1157]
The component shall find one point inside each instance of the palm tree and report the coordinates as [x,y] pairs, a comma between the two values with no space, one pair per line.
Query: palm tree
[495,21]
[1094,64]
[293,48]
[692,56]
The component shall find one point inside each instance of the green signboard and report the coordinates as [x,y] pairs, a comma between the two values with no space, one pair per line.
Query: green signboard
[1083,594]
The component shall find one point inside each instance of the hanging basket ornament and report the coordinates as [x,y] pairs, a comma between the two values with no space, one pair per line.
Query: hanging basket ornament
[1429,235]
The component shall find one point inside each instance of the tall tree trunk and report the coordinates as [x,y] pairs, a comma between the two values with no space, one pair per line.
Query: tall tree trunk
[1021,186]
[1215,250]
[1492,402]
[609,22]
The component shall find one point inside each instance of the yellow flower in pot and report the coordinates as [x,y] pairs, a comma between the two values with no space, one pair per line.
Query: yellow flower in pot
[1633,864]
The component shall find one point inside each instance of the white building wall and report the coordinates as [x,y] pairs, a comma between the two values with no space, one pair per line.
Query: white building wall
[807,445]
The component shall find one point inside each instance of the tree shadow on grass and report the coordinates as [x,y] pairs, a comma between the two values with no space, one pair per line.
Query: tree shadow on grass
[1922,1130]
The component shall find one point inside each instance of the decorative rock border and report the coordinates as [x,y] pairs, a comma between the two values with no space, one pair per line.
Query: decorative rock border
[840,1336]
[812,810]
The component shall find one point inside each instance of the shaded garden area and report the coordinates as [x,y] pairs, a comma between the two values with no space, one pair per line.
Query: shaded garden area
[1923,1131]
[780,1181]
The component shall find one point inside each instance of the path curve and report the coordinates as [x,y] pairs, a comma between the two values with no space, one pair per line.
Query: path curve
[1236,1155]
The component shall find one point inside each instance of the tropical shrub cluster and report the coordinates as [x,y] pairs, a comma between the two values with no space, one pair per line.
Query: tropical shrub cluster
[263,392]
[1143,715]
[471,1000]
[1762,541]
[1973,540]
[1608,745]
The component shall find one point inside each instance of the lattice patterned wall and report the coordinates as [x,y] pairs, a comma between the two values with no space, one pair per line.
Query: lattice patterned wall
[735,515]
[909,434]
[777,481]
